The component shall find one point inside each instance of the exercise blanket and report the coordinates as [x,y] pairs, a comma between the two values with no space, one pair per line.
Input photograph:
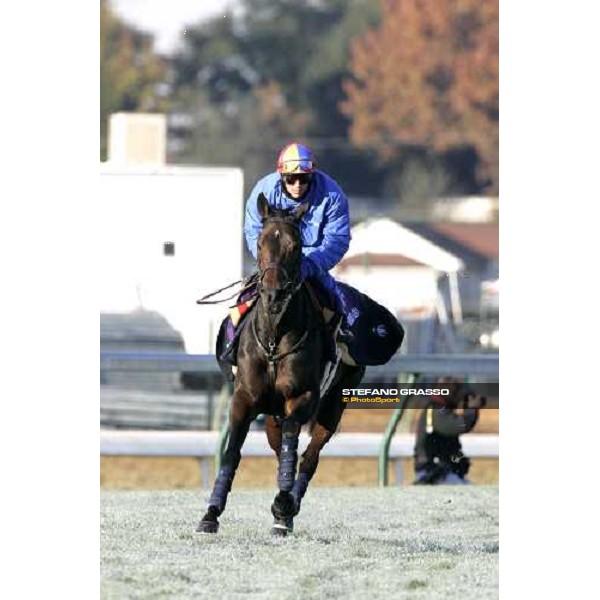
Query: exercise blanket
[371,334]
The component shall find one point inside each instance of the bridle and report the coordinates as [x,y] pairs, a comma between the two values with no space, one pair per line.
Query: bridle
[288,290]
[292,284]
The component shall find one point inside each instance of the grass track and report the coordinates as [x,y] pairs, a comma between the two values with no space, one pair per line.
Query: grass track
[351,543]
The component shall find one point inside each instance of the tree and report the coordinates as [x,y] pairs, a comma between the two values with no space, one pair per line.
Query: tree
[428,77]
[249,83]
[130,72]
[243,133]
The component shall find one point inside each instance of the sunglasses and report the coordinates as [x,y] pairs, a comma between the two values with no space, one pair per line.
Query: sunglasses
[303,178]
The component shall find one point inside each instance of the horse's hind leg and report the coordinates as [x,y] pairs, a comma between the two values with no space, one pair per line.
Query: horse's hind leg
[328,419]
[240,417]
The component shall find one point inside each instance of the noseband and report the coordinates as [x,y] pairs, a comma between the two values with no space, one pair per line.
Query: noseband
[289,282]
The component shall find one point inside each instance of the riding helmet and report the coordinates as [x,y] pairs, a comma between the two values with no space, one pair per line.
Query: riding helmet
[296,158]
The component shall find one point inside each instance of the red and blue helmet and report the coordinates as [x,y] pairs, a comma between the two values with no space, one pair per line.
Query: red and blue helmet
[296,158]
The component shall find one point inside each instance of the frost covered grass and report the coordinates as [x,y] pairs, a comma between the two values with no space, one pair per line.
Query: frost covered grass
[404,542]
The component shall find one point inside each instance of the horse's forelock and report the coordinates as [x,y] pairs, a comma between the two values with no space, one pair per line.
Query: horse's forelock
[277,217]
[280,221]
[279,213]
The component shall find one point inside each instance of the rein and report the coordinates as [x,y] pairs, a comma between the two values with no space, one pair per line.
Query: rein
[289,282]
[204,300]
[270,351]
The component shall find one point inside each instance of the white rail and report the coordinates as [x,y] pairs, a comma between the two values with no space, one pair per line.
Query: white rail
[202,445]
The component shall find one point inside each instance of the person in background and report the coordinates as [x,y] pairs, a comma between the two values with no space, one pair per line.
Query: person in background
[438,454]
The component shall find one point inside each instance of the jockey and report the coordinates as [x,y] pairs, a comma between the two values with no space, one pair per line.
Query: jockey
[325,228]
[370,332]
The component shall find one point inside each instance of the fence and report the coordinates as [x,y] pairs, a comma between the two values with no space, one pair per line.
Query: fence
[204,445]
[431,364]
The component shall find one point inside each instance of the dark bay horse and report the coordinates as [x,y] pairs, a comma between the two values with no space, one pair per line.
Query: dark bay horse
[281,360]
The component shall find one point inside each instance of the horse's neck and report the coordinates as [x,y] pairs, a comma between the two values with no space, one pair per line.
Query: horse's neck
[293,321]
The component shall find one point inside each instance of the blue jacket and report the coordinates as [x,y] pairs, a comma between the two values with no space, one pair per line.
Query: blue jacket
[325,228]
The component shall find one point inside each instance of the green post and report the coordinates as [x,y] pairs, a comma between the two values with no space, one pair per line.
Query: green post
[384,451]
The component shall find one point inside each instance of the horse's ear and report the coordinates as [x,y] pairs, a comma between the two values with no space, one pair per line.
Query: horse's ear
[263,206]
[300,211]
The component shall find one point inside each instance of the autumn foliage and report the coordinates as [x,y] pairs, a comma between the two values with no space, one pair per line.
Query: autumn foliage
[428,76]
[129,70]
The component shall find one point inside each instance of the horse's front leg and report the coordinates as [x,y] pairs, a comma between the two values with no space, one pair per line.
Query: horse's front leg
[239,418]
[297,411]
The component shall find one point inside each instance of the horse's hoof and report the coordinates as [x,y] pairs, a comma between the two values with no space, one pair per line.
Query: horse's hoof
[207,527]
[279,530]
[281,527]
[209,522]
[283,506]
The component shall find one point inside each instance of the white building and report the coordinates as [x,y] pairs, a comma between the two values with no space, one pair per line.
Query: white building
[398,268]
[169,236]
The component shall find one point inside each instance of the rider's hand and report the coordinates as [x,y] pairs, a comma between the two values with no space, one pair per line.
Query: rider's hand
[474,401]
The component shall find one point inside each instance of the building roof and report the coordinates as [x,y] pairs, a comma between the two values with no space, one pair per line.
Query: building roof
[476,244]
[384,238]
[482,238]
[379,260]
[137,326]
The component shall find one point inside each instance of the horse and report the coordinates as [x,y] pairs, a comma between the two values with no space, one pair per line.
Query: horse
[281,360]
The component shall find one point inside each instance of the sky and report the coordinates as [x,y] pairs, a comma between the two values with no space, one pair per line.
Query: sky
[166,19]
